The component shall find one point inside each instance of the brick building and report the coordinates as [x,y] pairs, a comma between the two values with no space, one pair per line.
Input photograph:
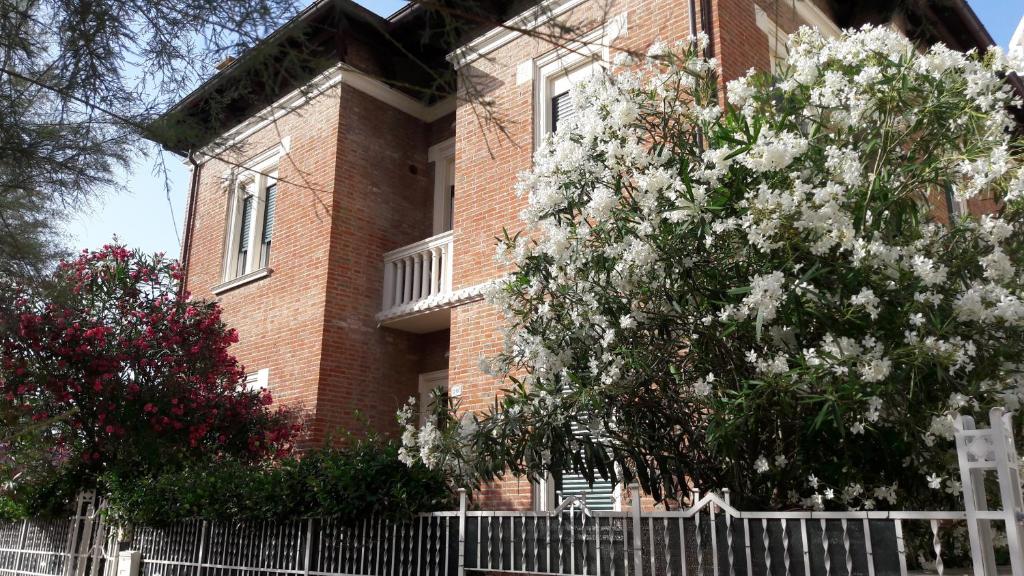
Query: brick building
[348,181]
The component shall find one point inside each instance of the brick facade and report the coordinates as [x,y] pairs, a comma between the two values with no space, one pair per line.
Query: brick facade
[357,183]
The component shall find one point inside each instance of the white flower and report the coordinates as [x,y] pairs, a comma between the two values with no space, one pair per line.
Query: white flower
[998,266]
[874,409]
[765,296]
[739,90]
[930,273]
[875,369]
[934,481]
[781,461]
[953,487]
[773,151]
[866,298]
[658,49]
[703,385]
[761,464]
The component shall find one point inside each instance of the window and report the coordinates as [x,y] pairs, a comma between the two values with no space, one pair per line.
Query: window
[556,73]
[555,92]
[257,380]
[252,227]
[561,105]
[252,212]
[443,157]
[778,39]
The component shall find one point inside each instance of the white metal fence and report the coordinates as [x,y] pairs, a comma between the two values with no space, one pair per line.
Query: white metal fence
[710,538]
[62,547]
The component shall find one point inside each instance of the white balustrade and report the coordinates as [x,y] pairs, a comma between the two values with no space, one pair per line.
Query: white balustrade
[419,273]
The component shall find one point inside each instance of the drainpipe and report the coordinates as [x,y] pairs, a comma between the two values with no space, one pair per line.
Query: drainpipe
[693,18]
[705,23]
[186,244]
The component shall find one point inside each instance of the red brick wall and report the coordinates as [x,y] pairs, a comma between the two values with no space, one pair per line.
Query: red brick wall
[383,200]
[355,184]
[278,317]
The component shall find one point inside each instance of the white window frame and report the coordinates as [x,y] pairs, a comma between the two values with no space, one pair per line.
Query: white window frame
[253,178]
[544,497]
[778,39]
[570,64]
[258,380]
[443,157]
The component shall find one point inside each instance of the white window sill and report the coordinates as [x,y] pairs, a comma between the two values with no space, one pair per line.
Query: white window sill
[241,280]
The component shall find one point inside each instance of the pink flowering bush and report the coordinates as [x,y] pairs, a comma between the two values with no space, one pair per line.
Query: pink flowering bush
[114,368]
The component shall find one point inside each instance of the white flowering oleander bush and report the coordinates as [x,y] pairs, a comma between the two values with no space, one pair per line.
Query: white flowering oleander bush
[766,296]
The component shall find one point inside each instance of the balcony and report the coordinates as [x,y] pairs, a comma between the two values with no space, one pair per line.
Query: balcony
[418,286]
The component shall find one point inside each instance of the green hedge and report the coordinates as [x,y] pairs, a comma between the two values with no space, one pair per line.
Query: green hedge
[364,477]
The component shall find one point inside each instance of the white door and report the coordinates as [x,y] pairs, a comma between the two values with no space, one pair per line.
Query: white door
[429,381]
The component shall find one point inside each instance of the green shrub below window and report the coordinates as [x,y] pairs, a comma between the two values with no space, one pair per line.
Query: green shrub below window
[352,482]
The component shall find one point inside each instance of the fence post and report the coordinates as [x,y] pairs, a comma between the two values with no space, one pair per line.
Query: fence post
[638,557]
[462,532]
[1009,486]
[21,545]
[81,533]
[202,548]
[972,481]
[309,546]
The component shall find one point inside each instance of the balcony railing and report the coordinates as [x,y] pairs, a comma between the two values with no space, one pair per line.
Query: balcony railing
[417,277]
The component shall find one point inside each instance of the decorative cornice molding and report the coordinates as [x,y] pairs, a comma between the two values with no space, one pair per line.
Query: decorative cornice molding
[338,74]
[438,302]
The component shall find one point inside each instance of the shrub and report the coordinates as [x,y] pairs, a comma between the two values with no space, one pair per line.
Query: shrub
[766,297]
[114,368]
[350,482]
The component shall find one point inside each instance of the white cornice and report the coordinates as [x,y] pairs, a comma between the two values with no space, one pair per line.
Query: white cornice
[338,74]
[1017,40]
[501,35]
[439,302]
[810,13]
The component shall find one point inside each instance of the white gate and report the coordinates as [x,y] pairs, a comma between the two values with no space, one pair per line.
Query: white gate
[63,547]
[980,451]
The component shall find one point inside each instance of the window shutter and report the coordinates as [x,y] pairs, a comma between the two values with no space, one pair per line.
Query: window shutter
[243,234]
[600,496]
[269,209]
[268,213]
[561,109]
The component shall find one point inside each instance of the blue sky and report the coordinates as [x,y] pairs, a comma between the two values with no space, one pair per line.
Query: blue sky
[142,217]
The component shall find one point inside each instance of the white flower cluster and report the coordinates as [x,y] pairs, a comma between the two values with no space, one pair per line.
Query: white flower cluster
[805,231]
[426,444]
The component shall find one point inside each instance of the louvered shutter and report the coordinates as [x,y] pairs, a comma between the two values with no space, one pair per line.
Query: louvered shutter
[561,110]
[243,235]
[599,496]
[268,224]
